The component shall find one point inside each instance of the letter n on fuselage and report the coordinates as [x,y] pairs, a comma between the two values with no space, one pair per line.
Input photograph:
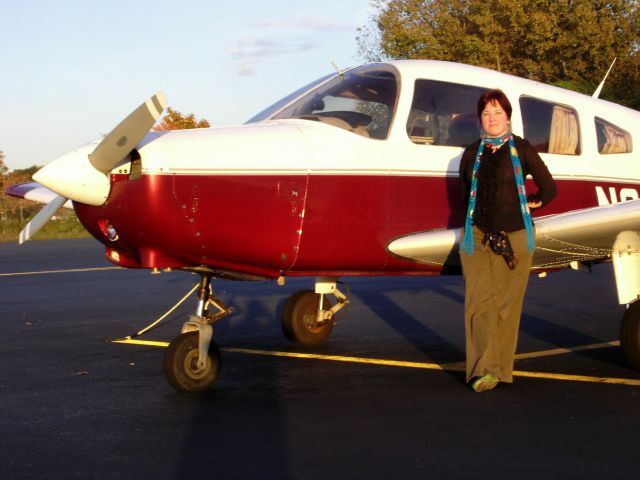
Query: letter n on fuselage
[625,194]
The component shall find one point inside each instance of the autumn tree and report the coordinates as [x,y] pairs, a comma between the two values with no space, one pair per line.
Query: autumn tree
[3,167]
[552,41]
[3,184]
[174,120]
[13,207]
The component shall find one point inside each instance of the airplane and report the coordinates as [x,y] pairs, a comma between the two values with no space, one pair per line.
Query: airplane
[354,174]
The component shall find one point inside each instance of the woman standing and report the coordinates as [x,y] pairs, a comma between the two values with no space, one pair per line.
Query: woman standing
[498,239]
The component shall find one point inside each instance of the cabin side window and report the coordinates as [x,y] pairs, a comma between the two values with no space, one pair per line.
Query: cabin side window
[444,113]
[611,138]
[550,127]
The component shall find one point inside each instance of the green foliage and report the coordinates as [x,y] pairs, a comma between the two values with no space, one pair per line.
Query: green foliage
[66,225]
[552,41]
[624,86]
[583,87]
[15,212]
[26,172]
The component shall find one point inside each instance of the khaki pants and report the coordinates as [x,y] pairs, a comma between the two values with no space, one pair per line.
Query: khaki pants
[493,305]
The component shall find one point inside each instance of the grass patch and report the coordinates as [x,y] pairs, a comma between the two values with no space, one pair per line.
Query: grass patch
[67,226]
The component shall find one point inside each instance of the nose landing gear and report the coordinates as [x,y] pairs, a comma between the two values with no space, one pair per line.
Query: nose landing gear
[192,360]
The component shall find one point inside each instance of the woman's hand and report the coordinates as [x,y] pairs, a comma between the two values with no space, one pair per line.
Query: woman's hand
[534,204]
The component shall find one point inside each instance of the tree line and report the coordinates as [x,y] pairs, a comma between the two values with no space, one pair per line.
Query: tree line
[569,43]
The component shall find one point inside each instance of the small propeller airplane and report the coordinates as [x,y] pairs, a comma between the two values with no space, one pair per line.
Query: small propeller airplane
[353,174]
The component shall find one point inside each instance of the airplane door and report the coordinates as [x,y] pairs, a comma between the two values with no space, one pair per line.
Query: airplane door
[346,210]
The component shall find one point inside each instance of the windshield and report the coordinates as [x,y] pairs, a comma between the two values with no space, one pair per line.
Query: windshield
[361,100]
[267,112]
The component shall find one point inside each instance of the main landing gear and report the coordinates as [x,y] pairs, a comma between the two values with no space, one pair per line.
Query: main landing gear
[308,317]
[192,360]
[630,335]
[626,268]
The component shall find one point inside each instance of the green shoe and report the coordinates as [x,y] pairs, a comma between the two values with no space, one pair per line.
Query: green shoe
[484,383]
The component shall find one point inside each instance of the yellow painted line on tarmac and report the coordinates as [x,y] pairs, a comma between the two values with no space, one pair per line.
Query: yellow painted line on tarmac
[560,351]
[578,378]
[312,356]
[71,270]
[433,366]
[148,343]
[338,358]
[418,365]
[553,351]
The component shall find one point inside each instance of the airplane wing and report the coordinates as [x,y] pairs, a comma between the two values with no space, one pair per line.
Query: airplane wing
[35,192]
[590,234]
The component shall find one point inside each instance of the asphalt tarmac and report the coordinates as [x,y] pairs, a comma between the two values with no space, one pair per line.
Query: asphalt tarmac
[73,405]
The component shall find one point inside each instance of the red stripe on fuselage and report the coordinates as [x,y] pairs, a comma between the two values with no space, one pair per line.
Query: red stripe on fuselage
[293,224]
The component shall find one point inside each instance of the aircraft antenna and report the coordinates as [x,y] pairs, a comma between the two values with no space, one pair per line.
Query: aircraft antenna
[340,72]
[596,94]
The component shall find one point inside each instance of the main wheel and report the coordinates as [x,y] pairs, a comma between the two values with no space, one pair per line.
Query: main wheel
[299,319]
[630,335]
[181,364]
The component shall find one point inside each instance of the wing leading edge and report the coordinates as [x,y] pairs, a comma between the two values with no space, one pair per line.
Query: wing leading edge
[589,234]
[35,192]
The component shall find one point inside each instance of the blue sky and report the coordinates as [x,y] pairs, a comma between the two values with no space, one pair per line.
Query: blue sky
[72,69]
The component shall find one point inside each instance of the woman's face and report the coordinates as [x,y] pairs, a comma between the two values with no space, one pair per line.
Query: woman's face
[494,119]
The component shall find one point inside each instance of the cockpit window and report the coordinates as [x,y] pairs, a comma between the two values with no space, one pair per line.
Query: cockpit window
[612,139]
[443,113]
[360,100]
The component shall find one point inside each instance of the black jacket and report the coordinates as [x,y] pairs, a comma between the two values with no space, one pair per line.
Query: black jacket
[497,204]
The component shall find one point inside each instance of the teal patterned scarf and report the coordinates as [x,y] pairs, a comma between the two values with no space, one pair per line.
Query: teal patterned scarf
[467,242]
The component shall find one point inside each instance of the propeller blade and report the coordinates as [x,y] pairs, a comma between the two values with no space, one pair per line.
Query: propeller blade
[124,137]
[83,174]
[41,218]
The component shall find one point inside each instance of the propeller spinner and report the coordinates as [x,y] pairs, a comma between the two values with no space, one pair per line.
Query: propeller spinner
[83,174]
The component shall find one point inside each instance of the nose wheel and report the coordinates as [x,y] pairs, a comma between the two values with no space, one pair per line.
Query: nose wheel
[192,360]
[181,366]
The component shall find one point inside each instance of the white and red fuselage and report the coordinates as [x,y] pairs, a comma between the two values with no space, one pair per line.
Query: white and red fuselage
[304,193]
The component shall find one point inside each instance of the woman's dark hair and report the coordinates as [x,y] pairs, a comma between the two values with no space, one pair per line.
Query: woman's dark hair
[491,96]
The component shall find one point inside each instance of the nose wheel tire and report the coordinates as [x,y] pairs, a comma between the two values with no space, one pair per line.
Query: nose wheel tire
[299,319]
[180,364]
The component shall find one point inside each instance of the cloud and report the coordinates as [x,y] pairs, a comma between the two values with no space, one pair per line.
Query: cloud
[244,68]
[308,23]
[247,52]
